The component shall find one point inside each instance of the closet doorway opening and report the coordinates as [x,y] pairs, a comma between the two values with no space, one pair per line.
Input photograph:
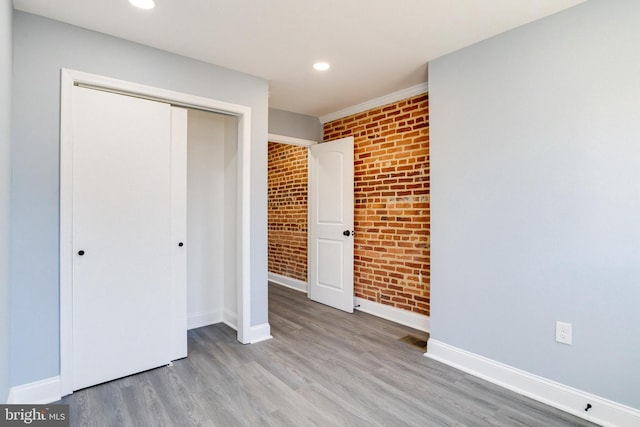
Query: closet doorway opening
[235,173]
[212,219]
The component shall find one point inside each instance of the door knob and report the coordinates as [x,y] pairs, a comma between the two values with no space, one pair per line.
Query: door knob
[181,244]
[346,233]
[80,253]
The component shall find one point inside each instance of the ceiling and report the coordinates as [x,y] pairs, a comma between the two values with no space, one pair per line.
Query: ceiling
[375,47]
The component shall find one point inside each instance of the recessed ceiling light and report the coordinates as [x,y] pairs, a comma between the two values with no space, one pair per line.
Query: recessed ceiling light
[321,66]
[143,4]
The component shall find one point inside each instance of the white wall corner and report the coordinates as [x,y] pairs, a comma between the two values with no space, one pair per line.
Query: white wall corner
[403,317]
[198,320]
[377,102]
[230,319]
[603,411]
[36,393]
[259,333]
[288,282]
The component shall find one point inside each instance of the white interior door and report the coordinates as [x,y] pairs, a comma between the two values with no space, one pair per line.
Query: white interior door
[331,223]
[124,319]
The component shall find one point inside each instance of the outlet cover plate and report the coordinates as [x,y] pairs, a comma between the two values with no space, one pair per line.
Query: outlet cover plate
[563,333]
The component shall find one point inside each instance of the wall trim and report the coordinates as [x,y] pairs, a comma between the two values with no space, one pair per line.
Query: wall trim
[290,140]
[226,316]
[604,412]
[259,333]
[204,318]
[288,282]
[377,102]
[230,319]
[36,393]
[403,317]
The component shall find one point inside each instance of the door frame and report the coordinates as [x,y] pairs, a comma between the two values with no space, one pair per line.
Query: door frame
[289,282]
[69,79]
[290,140]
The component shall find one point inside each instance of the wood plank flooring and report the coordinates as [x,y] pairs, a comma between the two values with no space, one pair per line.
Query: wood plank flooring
[323,367]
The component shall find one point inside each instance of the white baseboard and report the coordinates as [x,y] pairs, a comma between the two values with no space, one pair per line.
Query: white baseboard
[230,319]
[226,316]
[604,412]
[403,317]
[198,320]
[36,393]
[259,333]
[288,282]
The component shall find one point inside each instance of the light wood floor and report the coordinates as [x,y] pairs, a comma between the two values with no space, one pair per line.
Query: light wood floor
[323,367]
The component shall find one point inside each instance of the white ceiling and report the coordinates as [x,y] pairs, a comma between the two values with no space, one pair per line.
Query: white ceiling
[375,47]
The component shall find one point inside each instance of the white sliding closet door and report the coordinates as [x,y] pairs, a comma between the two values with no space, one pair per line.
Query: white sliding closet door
[125,317]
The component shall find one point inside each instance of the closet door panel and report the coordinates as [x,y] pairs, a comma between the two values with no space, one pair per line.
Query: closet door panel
[121,235]
[180,245]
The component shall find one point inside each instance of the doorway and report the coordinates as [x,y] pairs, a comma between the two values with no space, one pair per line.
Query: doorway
[287,214]
[294,260]
[212,218]
[242,117]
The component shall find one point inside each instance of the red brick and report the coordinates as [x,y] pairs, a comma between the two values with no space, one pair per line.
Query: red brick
[392,207]
[287,210]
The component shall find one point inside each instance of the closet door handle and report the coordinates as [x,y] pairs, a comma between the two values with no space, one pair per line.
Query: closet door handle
[181,244]
[80,253]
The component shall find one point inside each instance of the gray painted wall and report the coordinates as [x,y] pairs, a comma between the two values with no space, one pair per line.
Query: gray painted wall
[535,145]
[295,125]
[41,48]
[5,191]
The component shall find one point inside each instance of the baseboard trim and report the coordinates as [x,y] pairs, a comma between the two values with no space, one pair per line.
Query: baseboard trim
[288,282]
[259,333]
[36,393]
[403,317]
[198,320]
[230,319]
[603,411]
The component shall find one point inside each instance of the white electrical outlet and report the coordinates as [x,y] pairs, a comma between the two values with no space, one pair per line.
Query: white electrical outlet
[563,332]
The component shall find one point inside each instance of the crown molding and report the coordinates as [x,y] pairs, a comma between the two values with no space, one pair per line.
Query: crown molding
[377,102]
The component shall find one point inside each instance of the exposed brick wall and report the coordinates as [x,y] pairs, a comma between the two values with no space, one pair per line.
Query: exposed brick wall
[392,216]
[287,210]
